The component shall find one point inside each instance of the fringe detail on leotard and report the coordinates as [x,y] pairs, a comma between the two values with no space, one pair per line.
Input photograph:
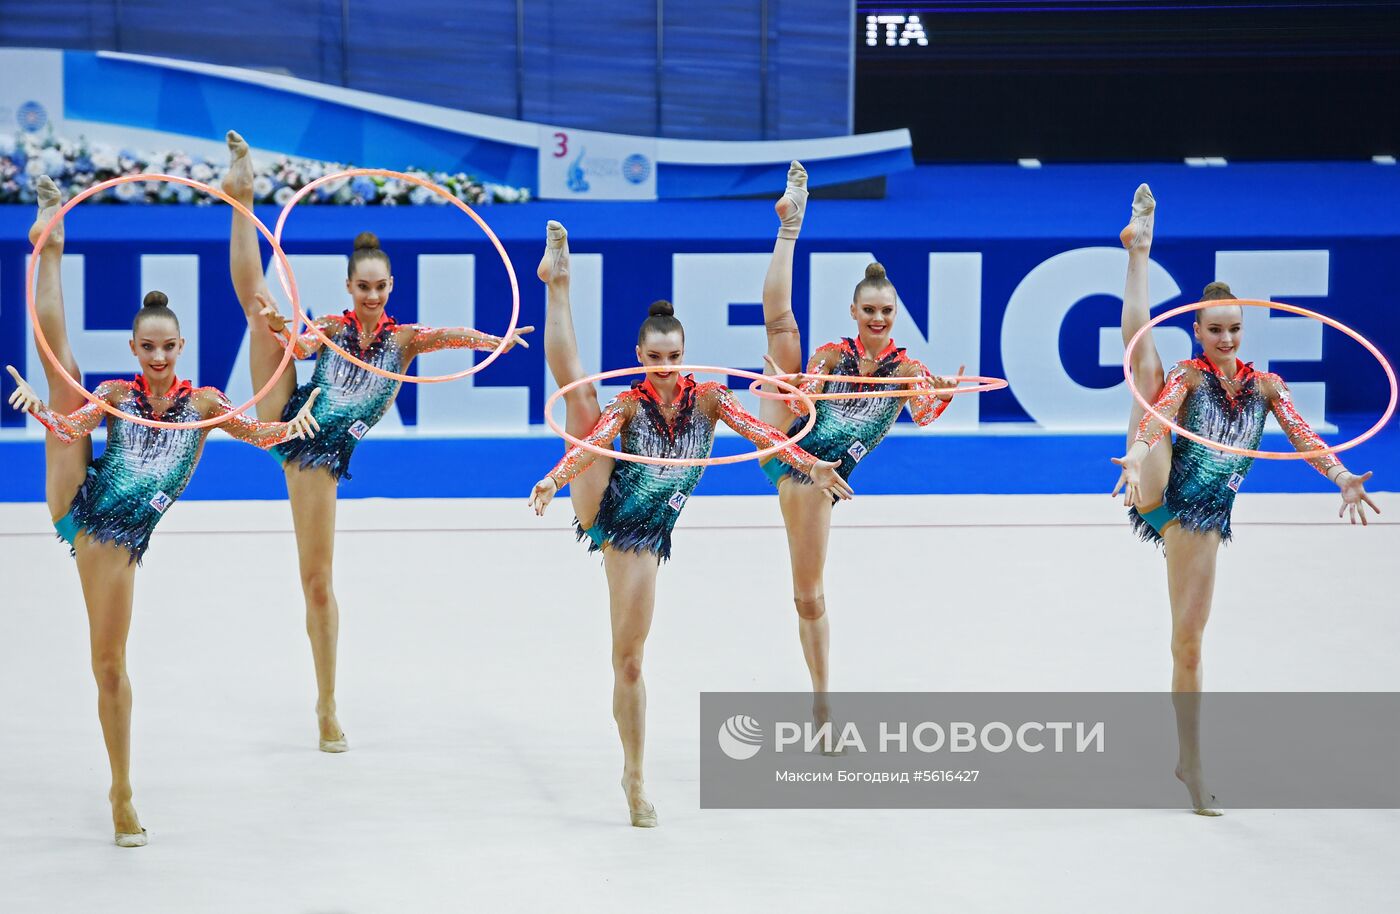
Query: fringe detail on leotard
[642,539]
[330,450]
[116,525]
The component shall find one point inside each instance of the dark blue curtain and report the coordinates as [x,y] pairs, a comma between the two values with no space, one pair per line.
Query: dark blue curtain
[678,69]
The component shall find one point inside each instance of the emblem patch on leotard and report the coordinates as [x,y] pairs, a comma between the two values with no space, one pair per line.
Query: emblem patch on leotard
[161,501]
[857,451]
[358,430]
[677,501]
[1236,480]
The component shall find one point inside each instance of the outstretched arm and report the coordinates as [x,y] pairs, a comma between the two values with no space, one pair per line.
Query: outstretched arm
[305,345]
[1300,433]
[823,473]
[823,361]
[577,459]
[431,339]
[67,427]
[260,434]
[1303,438]
[929,404]
[1180,382]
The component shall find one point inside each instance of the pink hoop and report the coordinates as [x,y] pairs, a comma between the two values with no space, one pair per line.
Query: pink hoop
[673,461]
[48,352]
[1246,452]
[449,197]
[984,385]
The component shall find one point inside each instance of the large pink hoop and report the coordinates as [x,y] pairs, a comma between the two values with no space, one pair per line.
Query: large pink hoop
[1246,452]
[77,385]
[449,197]
[984,384]
[673,461]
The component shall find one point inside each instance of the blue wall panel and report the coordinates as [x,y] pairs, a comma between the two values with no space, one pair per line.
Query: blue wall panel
[590,66]
[1016,224]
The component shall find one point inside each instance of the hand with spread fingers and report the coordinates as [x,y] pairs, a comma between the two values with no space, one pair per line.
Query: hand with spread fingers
[825,477]
[1130,480]
[24,398]
[516,338]
[944,382]
[303,424]
[543,493]
[275,321]
[1354,496]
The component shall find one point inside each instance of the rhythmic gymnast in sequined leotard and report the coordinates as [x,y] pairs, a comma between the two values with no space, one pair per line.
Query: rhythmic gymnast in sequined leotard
[1181,494]
[627,509]
[352,401]
[106,509]
[846,430]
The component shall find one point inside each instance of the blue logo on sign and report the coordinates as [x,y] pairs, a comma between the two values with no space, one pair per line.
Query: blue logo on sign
[31,117]
[575,180]
[636,168]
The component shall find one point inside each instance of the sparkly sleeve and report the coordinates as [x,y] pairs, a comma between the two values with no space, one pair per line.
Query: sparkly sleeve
[70,427]
[577,459]
[926,406]
[1174,391]
[1299,433]
[817,364]
[256,433]
[308,344]
[431,339]
[759,432]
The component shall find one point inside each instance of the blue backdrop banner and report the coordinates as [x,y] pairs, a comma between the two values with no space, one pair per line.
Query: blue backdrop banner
[1026,291]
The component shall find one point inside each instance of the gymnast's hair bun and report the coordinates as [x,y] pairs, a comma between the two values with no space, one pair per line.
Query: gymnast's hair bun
[155,299]
[366,241]
[875,273]
[661,308]
[1216,290]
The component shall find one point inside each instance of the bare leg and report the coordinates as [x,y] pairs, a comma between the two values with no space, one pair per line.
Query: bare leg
[312,494]
[108,576]
[784,337]
[246,270]
[1147,362]
[65,464]
[1191,559]
[807,516]
[561,353]
[632,594]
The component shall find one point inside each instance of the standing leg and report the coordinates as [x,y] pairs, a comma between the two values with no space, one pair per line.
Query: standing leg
[108,576]
[807,516]
[312,493]
[1191,559]
[561,354]
[632,597]
[246,270]
[1147,362]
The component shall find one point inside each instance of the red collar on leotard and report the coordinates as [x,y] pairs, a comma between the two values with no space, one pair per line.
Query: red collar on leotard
[860,349]
[1243,372]
[684,383]
[350,320]
[178,388]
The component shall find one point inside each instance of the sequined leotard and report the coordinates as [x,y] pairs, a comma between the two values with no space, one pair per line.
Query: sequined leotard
[143,470]
[848,430]
[642,501]
[352,399]
[1201,488]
